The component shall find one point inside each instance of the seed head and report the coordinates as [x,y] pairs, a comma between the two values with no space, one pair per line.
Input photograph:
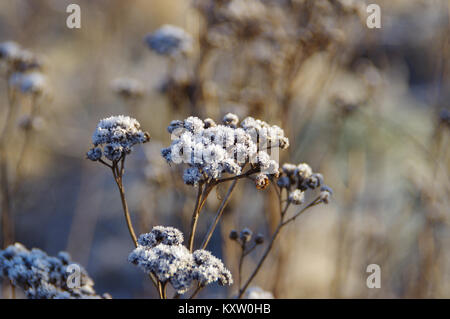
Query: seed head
[259,239]
[234,235]
[297,197]
[246,235]
[261,181]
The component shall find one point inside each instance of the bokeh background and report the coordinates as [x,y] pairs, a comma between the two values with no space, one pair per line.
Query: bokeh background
[362,106]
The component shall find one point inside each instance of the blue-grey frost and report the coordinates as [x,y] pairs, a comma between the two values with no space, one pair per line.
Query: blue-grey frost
[211,150]
[42,276]
[169,40]
[162,254]
[116,135]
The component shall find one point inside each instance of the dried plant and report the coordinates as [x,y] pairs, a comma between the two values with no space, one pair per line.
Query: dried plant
[44,277]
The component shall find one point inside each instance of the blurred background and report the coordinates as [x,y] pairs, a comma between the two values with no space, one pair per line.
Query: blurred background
[367,108]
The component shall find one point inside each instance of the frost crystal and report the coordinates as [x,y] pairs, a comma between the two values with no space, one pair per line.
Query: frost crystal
[169,263]
[209,269]
[42,276]
[169,40]
[162,253]
[211,150]
[161,235]
[117,135]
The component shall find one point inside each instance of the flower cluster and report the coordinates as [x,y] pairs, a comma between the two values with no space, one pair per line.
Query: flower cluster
[245,235]
[116,135]
[42,276]
[169,40]
[17,58]
[33,82]
[23,68]
[162,253]
[296,179]
[211,150]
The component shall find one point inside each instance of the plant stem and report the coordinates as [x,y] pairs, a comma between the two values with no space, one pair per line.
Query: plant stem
[281,224]
[119,183]
[241,261]
[202,195]
[261,261]
[196,291]
[160,290]
[195,216]
[118,174]
[219,214]
[25,147]
[7,223]
[7,218]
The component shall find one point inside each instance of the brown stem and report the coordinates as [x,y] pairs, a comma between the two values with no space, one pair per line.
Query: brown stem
[160,290]
[195,293]
[261,261]
[25,146]
[195,216]
[126,212]
[219,214]
[163,290]
[7,219]
[241,261]
[281,224]
[243,175]
[201,199]
[118,174]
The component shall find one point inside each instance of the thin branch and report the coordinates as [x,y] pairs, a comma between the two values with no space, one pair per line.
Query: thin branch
[243,175]
[241,261]
[315,202]
[195,216]
[281,224]
[197,290]
[219,214]
[261,261]
[207,189]
[25,148]
[119,183]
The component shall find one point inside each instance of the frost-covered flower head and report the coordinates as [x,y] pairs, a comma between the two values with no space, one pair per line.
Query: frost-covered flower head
[161,235]
[209,269]
[116,135]
[128,88]
[169,263]
[296,179]
[162,253]
[33,83]
[42,276]
[212,150]
[27,122]
[25,61]
[8,50]
[169,40]
[296,197]
[18,59]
